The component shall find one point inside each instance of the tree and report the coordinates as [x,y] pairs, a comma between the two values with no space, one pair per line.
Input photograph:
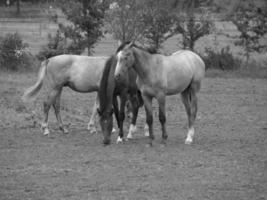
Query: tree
[146,21]
[18,7]
[85,29]
[122,19]
[158,22]
[251,22]
[193,22]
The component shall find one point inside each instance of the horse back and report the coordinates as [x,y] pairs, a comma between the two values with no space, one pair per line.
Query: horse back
[81,73]
[189,60]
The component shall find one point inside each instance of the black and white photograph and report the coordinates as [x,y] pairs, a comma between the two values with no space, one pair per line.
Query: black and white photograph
[133,100]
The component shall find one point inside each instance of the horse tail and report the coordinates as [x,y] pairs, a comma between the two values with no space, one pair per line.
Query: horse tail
[32,92]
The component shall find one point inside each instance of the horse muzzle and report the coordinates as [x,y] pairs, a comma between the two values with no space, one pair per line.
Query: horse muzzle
[106,141]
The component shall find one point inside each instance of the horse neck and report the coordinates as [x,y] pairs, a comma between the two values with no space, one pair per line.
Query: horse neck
[132,78]
[142,60]
[107,86]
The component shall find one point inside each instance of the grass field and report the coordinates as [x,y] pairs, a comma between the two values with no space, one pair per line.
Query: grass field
[227,160]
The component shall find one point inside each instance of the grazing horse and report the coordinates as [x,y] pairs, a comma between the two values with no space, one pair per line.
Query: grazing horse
[80,73]
[108,92]
[159,76]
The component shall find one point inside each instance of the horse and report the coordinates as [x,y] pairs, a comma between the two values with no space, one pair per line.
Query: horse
[160,76]
[80,73]
[108,92]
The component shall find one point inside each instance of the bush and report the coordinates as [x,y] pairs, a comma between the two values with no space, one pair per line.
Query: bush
[13,53]
[223,59]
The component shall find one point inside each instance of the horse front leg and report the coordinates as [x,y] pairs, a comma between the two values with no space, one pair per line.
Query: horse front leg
[121,117]
[116,111]
[135,109]
[149,117]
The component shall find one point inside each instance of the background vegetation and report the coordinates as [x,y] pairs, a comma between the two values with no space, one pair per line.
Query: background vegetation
[229,35]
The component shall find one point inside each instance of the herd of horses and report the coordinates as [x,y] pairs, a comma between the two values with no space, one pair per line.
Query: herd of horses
[133,73]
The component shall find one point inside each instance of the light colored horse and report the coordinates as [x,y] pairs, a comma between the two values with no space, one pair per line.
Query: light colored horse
[80,73]
[159,76]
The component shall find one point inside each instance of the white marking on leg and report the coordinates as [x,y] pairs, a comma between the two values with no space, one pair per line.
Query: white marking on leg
[132,130]
[113,130]
[190,135]
[45,129]
[65,130]
[146,129]
[93,129]
[119,140]
[91,124]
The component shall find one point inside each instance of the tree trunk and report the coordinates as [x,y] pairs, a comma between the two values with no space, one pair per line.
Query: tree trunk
[18,7]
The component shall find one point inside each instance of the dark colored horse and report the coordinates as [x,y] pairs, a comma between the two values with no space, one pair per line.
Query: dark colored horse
[108,92]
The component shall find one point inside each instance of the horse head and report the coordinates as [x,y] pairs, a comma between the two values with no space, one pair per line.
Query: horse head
[105,94]
[125,60]
[106,124]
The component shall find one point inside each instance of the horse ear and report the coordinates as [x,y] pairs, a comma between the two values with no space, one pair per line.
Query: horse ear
[119,43]
[131,44]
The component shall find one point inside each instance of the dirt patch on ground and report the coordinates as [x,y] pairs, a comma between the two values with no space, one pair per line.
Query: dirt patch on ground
[227,160]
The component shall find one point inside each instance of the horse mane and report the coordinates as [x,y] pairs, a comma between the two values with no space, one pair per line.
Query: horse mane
[104,83]
[151,50]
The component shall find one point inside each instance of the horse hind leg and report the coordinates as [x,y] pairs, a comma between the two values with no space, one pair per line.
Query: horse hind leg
[121,117]
[189,99]
[50,99]
[46,108]
[56,106]
[91,125]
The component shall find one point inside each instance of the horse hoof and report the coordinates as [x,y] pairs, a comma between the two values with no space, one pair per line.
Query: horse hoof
[146,134]
[188,141]
[119,140]
[163,144]
[92,130]
[129,136]
[64,130]
[46,132]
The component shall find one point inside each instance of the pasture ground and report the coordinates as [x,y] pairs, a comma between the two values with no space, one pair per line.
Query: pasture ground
[226,161]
